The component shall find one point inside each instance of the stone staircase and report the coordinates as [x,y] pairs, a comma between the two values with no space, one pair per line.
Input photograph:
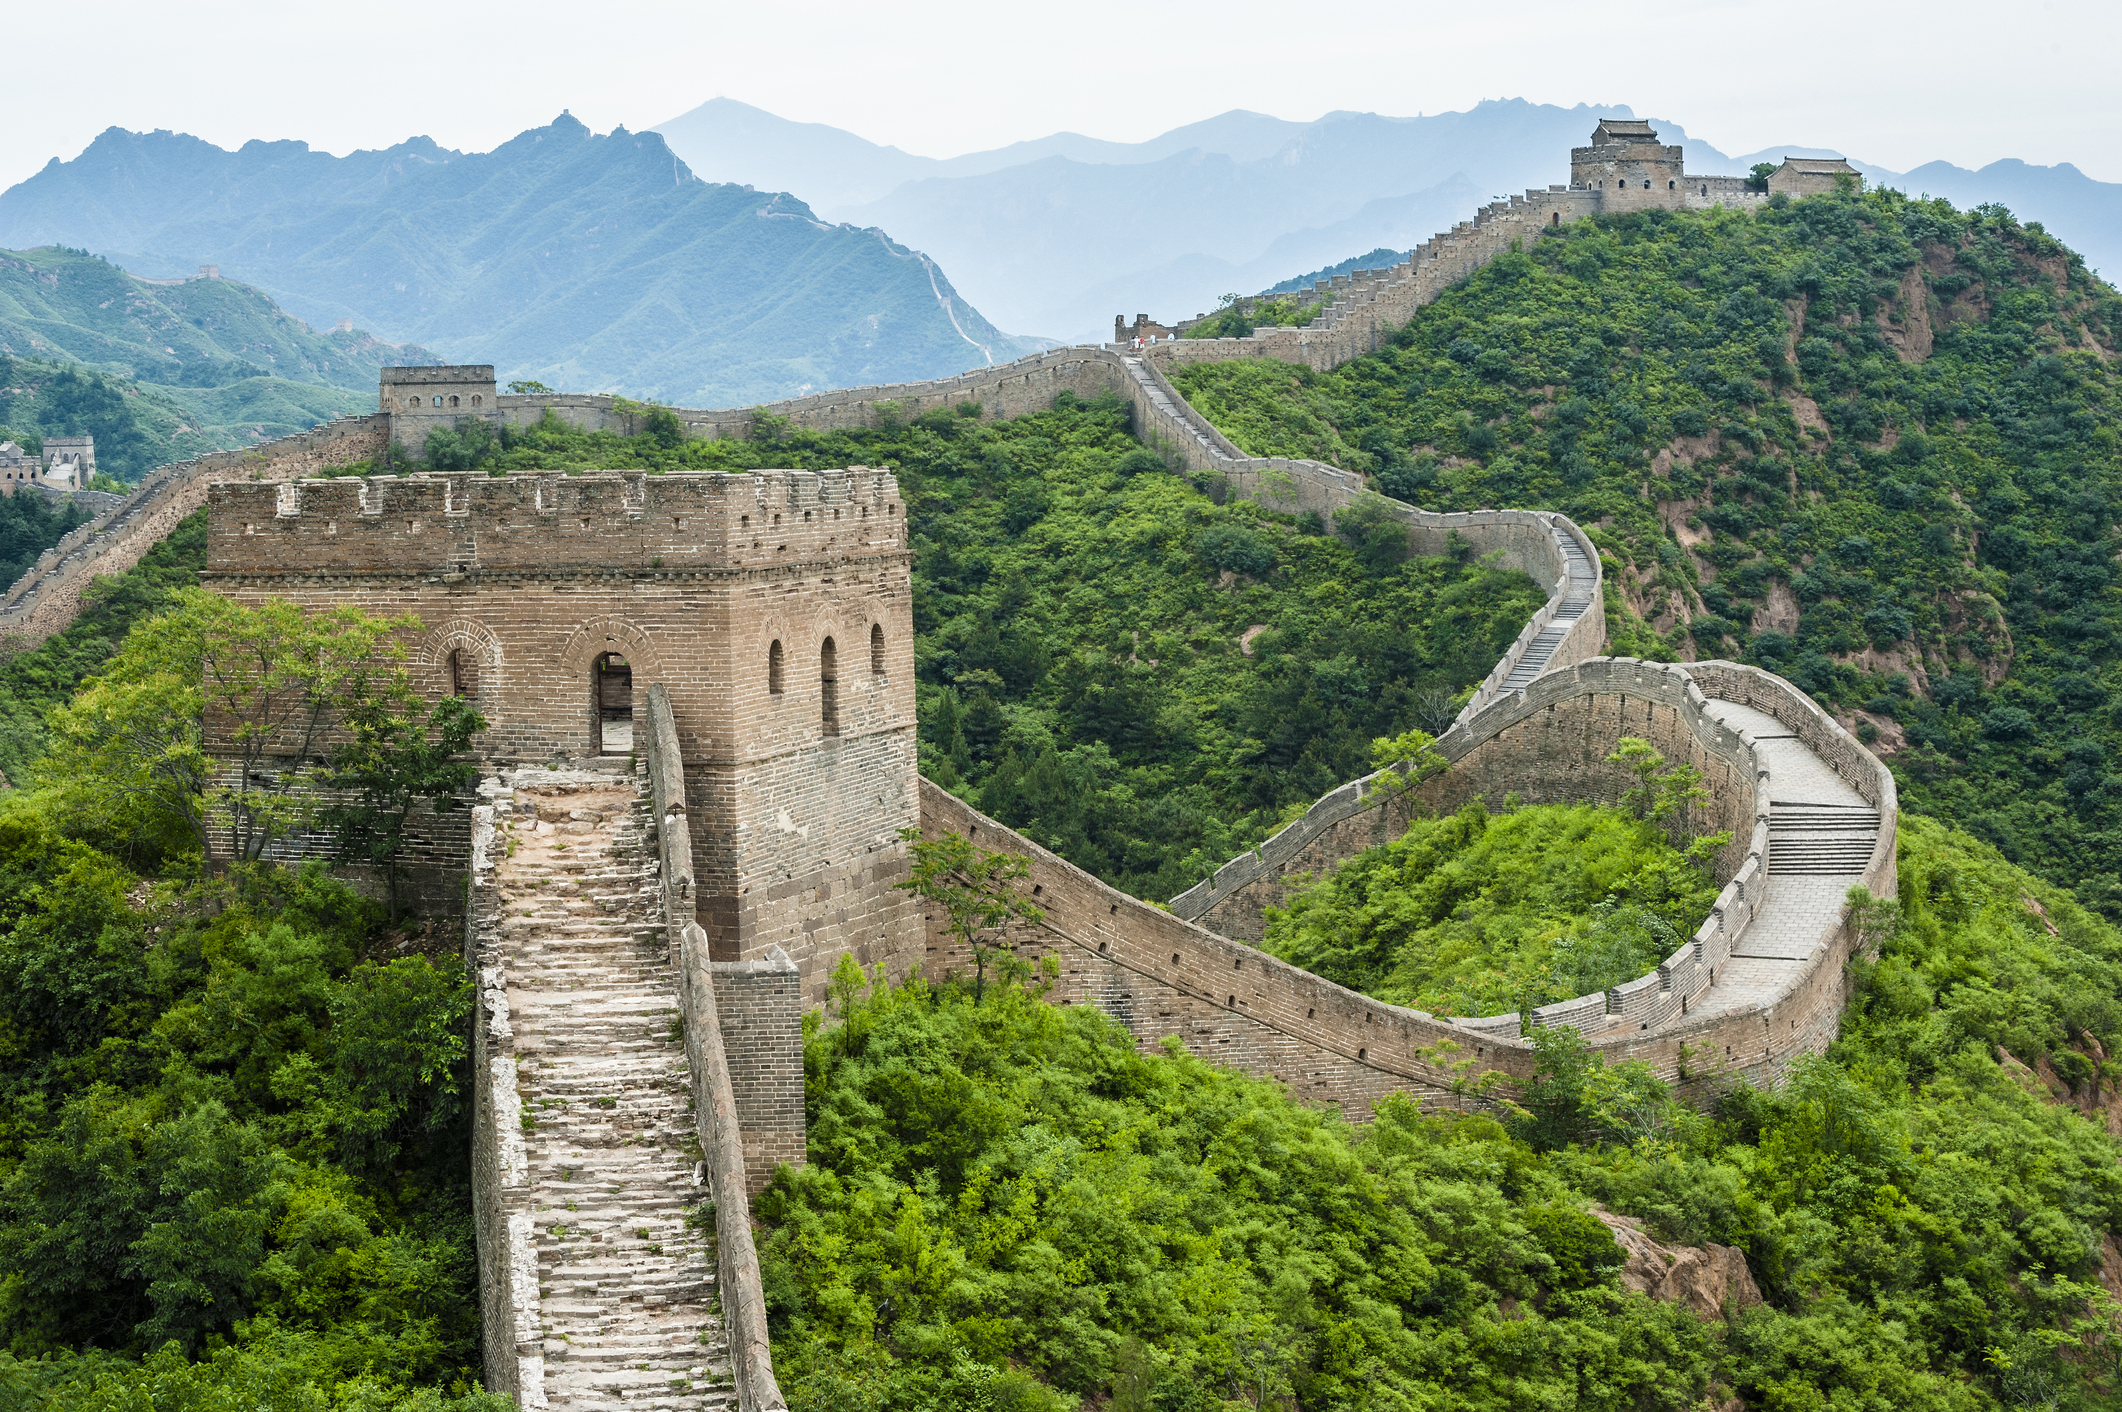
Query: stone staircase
[1576,602]
[1820,839]
[627,1300]
[1180,413]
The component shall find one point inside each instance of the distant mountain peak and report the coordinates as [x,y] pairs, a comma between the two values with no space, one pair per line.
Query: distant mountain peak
[578,259]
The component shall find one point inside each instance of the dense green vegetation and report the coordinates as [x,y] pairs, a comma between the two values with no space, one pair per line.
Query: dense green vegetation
[140,426]
[1238,318]
[159,372]
[70,306]
[1935,548]
[233,1121]
[1477,913]
[232,1134]
[1008,1200]
[35,681]
[1080,613]
[235,1128]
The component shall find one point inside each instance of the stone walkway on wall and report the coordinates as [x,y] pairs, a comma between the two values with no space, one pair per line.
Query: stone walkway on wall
[1820,833]
[627,1295]
[1178,411]
[1576,602]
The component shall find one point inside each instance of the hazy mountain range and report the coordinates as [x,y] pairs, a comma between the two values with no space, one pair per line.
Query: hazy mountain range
[590,263]
[1058,235]
[605,263]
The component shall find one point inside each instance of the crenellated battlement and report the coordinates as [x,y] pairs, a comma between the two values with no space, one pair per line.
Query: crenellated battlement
[600,522]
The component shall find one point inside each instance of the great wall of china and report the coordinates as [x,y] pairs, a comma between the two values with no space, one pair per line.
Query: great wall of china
[596,1288]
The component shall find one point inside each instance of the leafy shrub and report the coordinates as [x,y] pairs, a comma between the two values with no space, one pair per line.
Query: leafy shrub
[462,448]
[1475,914]
[1237,549]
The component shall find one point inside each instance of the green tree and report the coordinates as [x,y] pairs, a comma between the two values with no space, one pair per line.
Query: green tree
[272,678]
[465,447]
[400,753]
[975,888]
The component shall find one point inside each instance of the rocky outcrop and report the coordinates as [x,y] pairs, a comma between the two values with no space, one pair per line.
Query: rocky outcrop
[1711,1280]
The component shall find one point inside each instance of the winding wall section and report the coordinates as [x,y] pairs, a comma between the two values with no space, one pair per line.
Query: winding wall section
[1760,984]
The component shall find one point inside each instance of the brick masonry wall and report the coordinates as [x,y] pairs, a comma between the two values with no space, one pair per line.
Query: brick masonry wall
[692,579]
[46,598]
[1163,977]
[760,1006]
[1224,1000]
[1552,752]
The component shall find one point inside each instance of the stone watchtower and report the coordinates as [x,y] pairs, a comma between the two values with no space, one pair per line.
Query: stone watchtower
[774,608]
[420,399]
[1628,165]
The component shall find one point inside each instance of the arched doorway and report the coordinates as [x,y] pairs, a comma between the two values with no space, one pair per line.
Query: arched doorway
[612,704]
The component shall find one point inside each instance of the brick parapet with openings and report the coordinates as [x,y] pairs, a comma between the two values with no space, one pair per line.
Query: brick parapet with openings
[1223,999]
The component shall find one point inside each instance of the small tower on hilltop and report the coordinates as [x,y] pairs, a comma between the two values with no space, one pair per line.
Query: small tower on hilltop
[69,462]
[1812,176]
[1628,167]
[421,399]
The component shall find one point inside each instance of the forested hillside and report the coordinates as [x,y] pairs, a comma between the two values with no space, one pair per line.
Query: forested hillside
[1867,442]
[232,1165]
[65,305]
[1009,1205]
[159,372]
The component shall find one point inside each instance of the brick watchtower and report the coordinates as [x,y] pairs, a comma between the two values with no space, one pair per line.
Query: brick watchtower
[418,400]
[774,608]
[1628,166]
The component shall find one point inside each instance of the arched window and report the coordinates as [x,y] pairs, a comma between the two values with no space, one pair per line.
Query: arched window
[773,667]
[453,400]
[829,686]
[1555,219]
[475,399]
[463,674]
[876,649]
[438,399]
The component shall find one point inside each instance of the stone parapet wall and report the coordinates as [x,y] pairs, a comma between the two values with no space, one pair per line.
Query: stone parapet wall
[46,598]
[599,522]
[1165,976]
[1546,744]
[768,1065]
[512,1342]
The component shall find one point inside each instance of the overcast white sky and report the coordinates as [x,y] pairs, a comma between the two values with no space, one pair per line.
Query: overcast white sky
[1896,84]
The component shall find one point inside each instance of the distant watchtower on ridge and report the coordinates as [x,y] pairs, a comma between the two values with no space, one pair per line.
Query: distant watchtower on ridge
[1628,166]
[420,399]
